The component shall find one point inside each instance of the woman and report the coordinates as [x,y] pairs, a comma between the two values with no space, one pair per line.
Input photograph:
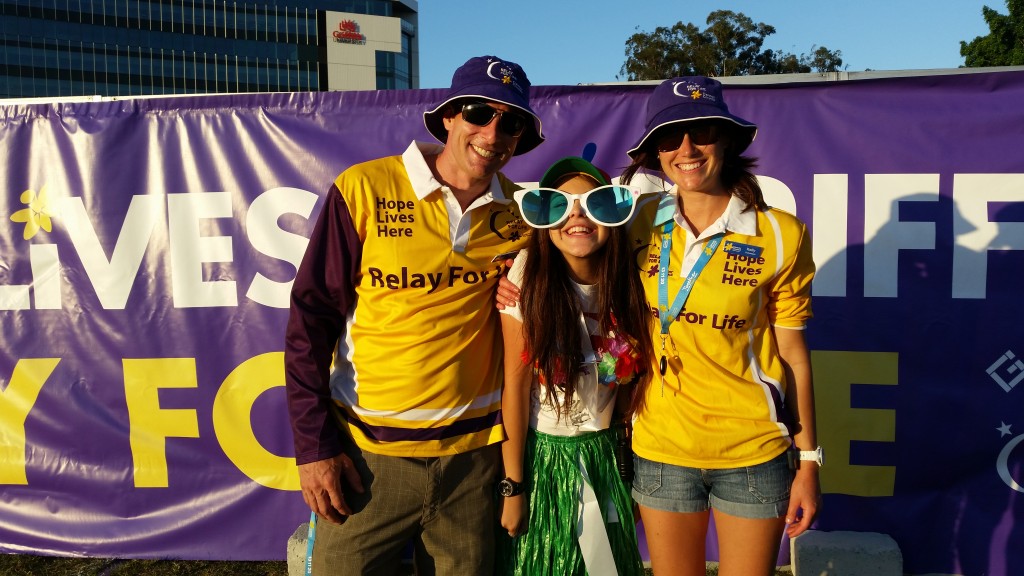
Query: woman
[576,352]
[728,421]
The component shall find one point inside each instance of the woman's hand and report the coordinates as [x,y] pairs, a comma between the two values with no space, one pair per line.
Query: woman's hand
[804,499]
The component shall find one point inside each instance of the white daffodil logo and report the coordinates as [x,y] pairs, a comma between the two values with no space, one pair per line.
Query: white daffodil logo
[37,213]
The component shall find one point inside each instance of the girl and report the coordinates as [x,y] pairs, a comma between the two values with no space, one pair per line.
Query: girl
[576,356]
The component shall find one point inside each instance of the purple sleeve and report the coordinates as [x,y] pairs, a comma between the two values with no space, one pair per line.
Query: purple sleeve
[321,297]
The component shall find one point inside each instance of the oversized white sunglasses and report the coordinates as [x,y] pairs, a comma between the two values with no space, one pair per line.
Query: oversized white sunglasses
[610,205]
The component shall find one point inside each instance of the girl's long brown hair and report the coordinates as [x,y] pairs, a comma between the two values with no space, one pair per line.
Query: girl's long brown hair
[551,309]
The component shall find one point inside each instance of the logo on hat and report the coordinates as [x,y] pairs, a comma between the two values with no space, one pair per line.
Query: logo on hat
[505,74]
[693,91]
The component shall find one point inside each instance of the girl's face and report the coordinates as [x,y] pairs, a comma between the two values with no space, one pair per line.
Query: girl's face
[578,238]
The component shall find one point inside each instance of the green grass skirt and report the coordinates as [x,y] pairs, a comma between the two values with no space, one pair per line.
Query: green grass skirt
[549,547]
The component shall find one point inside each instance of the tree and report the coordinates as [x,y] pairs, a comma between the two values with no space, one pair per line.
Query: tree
[731,45]
[1004,44]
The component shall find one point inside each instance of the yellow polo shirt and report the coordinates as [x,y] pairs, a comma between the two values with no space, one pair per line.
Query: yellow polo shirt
[720,404]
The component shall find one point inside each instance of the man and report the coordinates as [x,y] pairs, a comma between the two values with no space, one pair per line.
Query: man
[399,442]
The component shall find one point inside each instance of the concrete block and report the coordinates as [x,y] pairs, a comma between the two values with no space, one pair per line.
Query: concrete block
[818,553]
[297,550]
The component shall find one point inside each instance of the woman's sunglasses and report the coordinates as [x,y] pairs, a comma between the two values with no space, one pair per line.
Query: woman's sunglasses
[610,205]
[480,114]
[701,134]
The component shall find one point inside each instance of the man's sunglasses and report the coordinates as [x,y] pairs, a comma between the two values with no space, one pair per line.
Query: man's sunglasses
[610,205]
[480,114]
[701,134]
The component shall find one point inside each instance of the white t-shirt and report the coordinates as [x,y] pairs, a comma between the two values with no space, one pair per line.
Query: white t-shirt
[593,402]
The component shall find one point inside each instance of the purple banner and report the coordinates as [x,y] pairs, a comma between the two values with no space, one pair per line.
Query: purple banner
[147,248]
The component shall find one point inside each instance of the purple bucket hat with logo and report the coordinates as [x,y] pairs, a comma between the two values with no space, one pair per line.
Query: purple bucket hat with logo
[686,99]
[489,78]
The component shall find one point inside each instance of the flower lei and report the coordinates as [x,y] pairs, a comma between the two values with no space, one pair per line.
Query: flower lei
[527,359]
[617,361]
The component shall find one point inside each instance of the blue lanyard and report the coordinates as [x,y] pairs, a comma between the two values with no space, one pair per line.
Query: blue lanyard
[667,314]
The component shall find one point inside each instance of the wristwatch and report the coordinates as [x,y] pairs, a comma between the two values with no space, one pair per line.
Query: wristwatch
[509,487]
[816,455]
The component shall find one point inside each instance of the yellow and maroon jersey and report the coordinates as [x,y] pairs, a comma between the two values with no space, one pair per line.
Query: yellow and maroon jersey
[720,403]
[403,284]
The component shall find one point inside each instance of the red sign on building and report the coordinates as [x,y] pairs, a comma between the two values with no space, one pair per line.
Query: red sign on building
[348,33]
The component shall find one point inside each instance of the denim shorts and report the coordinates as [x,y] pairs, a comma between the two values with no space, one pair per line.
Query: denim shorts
[760,491]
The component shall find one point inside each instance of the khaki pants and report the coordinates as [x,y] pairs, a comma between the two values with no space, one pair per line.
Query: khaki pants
[444,506]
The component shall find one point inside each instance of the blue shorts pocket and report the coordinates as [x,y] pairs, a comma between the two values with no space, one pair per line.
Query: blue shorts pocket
[646,476]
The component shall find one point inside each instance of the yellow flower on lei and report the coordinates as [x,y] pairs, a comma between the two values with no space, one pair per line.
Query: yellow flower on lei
[36,215]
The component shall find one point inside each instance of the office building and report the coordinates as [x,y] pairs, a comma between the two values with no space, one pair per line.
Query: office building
[61,48]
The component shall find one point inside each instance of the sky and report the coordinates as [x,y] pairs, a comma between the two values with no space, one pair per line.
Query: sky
[581,42]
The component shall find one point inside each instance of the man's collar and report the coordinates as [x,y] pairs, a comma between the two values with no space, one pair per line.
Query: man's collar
[422,178]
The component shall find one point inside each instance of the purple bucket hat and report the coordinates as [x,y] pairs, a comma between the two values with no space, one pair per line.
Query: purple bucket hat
[489,78]
[686,99]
